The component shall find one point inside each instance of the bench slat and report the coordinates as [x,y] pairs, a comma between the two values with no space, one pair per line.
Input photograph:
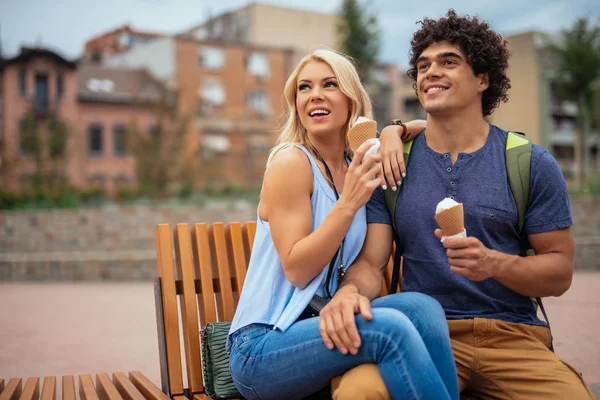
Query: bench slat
[235,248]
[31,390]
[201,397]
[106,388]
[68,387]
[147,388]
[49,388]
[87,391]
[13,389]
[201,249]
[126,388]
[166,272]
[189,310]
[248,231]
[216,235]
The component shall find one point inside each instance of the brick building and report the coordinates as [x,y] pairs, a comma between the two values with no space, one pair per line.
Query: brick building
[115,41]
[233,93]
[40,90]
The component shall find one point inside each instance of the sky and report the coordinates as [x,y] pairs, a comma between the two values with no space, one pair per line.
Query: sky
[65,25]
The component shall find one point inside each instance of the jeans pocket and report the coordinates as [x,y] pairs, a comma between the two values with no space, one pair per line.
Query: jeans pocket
[247,392]
[245,338]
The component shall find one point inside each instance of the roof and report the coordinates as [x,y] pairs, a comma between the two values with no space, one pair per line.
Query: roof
[29,53]
[118,85]
[97,41]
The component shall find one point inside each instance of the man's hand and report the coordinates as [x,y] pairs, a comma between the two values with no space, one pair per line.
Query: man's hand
[468,257]
[337,322]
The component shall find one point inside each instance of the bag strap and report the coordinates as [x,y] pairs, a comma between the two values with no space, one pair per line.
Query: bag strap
[518,168]
[391,199]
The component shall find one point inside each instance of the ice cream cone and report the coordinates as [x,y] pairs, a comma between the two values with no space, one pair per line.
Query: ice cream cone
[361,132]
[451,220]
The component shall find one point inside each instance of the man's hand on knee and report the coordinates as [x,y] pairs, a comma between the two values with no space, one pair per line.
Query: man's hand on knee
[337,322]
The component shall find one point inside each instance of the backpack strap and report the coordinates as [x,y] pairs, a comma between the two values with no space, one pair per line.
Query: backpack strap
[518,167]
[391,199]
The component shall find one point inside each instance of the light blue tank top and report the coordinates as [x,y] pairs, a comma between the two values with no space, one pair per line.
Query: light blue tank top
[268,297]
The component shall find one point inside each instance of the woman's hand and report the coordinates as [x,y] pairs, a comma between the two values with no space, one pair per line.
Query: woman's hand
[362,178]
[392,150]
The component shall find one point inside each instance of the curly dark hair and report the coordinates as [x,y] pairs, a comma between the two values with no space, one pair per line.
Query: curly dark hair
[485,50]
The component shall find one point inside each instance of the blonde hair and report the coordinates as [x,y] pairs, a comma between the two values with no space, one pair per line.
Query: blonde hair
[360,104]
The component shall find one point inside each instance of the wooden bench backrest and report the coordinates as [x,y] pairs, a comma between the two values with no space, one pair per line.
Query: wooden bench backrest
[201,273]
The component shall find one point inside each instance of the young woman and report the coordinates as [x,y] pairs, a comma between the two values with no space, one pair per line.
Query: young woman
[311,227]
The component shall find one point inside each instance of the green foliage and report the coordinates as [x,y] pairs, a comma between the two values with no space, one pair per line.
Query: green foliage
[30,199]
[578,53]
[29,139]
[162,168]
[359,36]
[58,133]
[577,75]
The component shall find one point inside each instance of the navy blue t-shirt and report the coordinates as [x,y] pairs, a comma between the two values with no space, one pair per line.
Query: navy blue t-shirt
[478,180]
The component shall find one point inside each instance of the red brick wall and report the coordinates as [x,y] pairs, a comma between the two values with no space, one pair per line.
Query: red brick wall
[237,165]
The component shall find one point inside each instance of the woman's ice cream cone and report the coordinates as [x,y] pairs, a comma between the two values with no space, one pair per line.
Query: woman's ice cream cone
[360,132]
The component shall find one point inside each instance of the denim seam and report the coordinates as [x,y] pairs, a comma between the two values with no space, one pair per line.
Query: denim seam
[278,353]
[399,356]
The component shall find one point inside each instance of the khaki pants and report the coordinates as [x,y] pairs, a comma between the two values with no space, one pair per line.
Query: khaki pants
[494,360]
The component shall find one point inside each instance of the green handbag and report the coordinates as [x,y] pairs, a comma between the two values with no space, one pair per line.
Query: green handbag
[218,383]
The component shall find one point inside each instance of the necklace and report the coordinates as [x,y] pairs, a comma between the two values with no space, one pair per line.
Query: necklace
[341,269]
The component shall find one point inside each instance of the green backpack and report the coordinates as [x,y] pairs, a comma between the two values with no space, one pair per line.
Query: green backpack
[518,167]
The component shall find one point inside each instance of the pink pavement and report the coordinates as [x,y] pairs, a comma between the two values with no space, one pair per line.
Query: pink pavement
[54,329]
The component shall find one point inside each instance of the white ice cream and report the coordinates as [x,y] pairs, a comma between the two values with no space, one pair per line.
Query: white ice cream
[445,204]
[362,119]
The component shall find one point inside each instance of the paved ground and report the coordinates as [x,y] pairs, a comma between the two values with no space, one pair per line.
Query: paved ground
[60,329]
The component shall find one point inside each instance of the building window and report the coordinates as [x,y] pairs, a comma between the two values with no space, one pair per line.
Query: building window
[258,148]
[120,139]
[258,100]
[215,143]
[100,85]
[41,92]
[95,139]
[60,85]
[212,93]
[258,64]
[211,57]
[23,82]
[154,131]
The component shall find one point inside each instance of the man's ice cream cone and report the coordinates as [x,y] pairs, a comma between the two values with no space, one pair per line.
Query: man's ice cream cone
[363,130]
[451,220]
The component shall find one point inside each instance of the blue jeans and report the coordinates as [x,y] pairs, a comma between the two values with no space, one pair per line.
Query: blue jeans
[408,339]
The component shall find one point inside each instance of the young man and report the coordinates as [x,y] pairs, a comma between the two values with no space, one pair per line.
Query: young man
[500,346]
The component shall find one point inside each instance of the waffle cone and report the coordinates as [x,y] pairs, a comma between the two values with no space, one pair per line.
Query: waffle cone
[360,133]
[451,220]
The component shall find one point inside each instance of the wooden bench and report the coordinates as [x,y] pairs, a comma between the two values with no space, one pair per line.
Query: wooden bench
[134,386]
[200,284]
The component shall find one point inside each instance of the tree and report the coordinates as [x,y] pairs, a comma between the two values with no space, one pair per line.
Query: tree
[162,166]
[359,36]
[578,55]
[47,154]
